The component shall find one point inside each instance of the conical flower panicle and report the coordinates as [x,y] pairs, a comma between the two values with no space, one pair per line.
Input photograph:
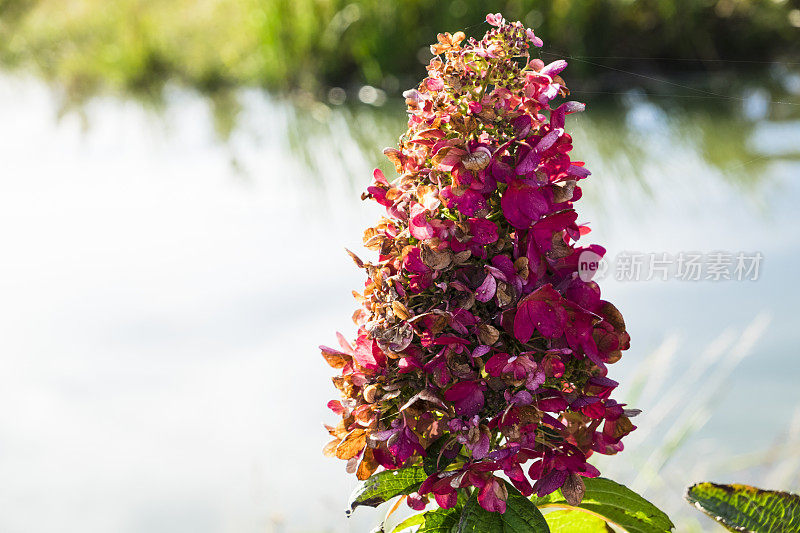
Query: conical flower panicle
[479,345]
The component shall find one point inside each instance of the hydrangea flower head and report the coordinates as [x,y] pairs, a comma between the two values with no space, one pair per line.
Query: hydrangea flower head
[478,345]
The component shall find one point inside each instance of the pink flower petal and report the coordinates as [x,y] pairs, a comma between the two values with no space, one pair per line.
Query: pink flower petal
[467,397]
[495,19]
[558,114]
[489,497]
[554,68]
[483,231]
[549,140]
[522,204]
[535,41]
[541,310]
[496,363]
[487,290]
[469,203]
[435,84]
[418,225]
[550,482]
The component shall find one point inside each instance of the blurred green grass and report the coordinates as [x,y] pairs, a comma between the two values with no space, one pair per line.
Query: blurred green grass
[308,45]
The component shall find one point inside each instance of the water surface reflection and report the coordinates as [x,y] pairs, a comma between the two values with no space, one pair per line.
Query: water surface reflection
[164,290]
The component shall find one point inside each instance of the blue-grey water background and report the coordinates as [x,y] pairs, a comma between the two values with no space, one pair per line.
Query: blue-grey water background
[164,287]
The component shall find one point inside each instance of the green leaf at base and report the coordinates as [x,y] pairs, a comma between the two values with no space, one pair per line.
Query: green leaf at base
[746,508]
[384,486]
[521,516]
[566,521]
[616,504]
[436,521]
[411,521]
[441,521]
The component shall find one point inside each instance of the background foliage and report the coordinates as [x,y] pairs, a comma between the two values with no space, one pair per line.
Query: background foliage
[309,44]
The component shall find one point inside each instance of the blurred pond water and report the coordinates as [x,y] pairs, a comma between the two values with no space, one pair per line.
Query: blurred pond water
[163,293]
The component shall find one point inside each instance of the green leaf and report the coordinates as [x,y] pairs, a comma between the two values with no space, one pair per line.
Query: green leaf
[384,486]
[616,504]
[574,521]
[435,459]
[441,521]
[746,508]
[521,516]
[411,521]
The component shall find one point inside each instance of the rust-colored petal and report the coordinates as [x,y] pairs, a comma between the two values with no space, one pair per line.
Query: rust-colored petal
[352,444]
[368,465]
[573,489]
[335,358]
[476,161]
[357,260]
[488,334]
[394,155]
[330,449]
[521,266]
[400,310]
[613,316]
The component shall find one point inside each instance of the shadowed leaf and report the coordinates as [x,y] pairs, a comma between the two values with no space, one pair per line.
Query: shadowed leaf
[521,516]
[384,486]
[440,454]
